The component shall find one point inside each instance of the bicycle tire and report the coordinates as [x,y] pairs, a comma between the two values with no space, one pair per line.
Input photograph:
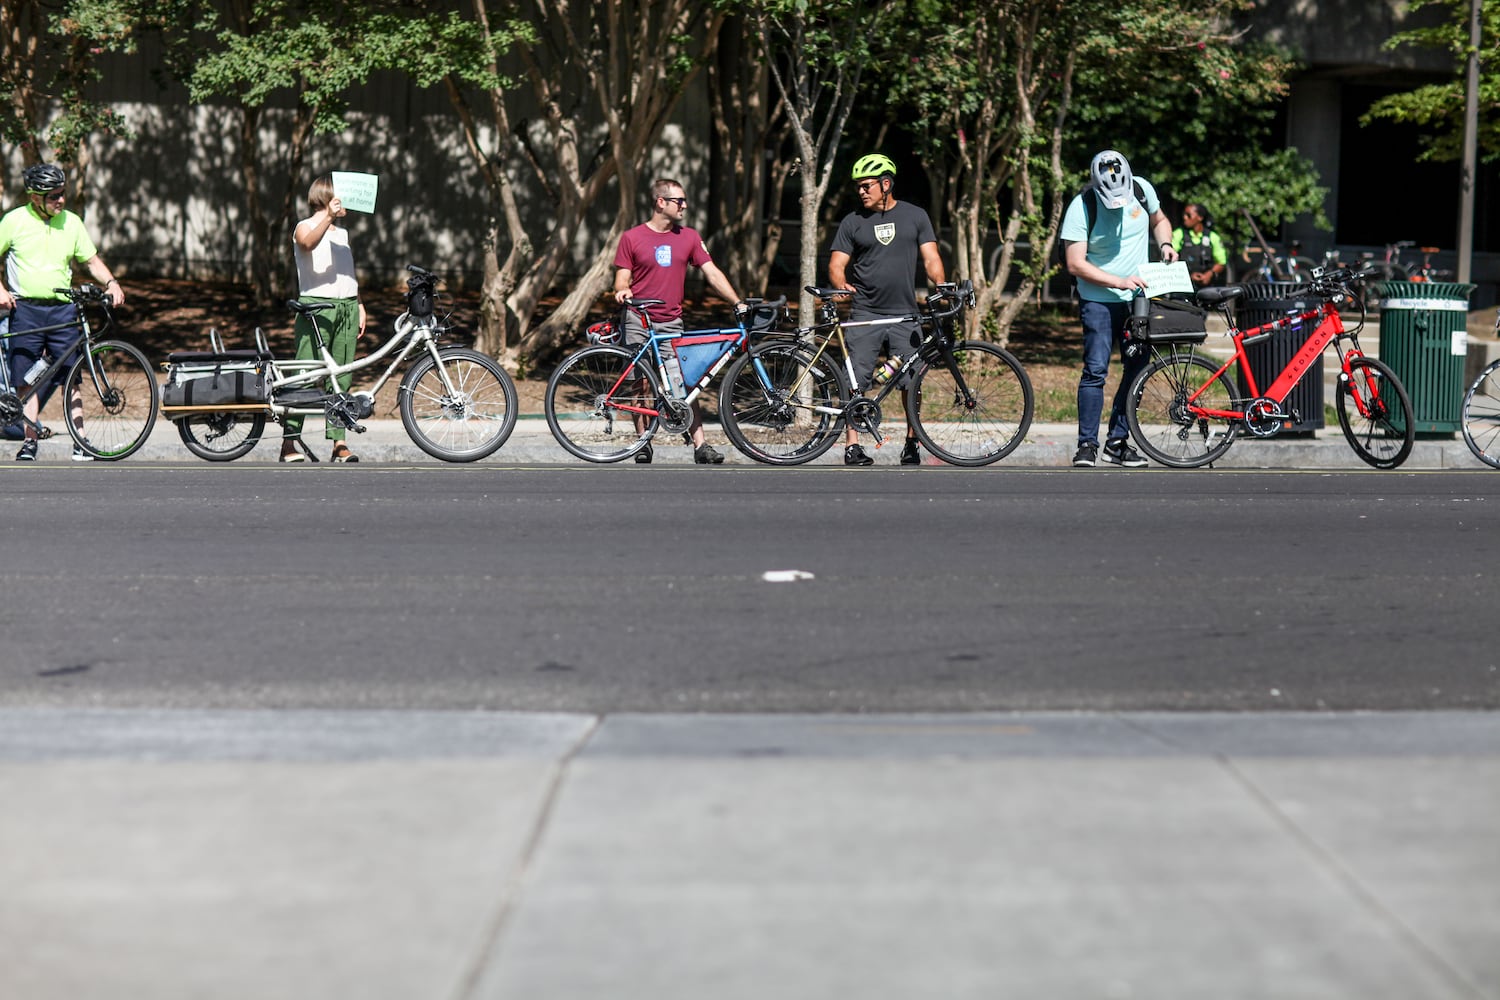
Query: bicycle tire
[118,411]
[1160,421]
[986,425]
[1383,438]
[587,400]
[464,425]
[223,436]
[1481,416]
[782,419]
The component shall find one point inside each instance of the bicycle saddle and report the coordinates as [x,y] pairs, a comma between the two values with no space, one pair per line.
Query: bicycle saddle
[1219,296]
[643,303]
[826,293]
[307,307]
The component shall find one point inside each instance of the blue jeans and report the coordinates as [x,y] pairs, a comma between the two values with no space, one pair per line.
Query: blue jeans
[1103,334]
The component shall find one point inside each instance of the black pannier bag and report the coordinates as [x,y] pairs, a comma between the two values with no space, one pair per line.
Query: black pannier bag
[202,379]
[1168,321]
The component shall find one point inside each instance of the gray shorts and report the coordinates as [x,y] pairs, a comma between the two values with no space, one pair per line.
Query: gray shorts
[867,343]
[635,330]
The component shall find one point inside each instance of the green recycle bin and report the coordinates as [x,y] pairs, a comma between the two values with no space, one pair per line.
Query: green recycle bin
[1424,337]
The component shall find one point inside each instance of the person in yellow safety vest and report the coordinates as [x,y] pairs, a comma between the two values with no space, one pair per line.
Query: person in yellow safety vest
[1199,246]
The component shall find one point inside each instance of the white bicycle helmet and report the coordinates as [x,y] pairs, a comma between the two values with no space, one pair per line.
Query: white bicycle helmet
[1111,177]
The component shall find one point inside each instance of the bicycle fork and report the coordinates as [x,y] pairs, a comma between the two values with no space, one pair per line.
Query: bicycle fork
[1364,389]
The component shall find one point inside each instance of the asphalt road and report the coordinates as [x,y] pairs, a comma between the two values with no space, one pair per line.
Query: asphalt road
[614,589]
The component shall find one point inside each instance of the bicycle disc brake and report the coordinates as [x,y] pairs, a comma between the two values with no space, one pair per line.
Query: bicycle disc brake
[1264,417]
[676,416]
[863,415]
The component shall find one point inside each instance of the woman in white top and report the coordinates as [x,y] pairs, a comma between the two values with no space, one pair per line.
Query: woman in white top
[325,273]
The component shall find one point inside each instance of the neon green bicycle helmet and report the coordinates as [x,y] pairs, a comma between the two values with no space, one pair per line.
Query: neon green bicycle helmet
[873,165]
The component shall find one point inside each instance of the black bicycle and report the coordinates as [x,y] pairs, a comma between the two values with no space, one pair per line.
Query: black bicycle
[109,389]
[787,401]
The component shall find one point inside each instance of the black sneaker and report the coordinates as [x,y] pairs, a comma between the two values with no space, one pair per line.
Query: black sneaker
[911,454]
[855,455]
[643,457]
[707,454]
[1120,453]
[1087,456]
[27,452]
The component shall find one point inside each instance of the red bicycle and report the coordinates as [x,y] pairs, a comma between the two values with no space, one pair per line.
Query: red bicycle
[1185,410]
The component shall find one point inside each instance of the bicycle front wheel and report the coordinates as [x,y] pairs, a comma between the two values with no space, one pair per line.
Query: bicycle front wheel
[1482,416]
[223,436]
[112,399]
[1375,413]
[979,421]
[1169,411]
[779,407]
[460,408]
[593,401]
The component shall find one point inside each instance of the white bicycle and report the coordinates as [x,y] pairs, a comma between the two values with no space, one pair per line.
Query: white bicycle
[456,404]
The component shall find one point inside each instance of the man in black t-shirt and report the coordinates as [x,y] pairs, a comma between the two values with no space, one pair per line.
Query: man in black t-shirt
[875,254]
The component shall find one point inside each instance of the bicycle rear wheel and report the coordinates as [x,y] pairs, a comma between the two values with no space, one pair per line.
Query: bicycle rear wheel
[593,400]
[774,404]
[979,427]
[1482,416]
[462,411]
[112,399]
[1165,411]
[1375,413]
[223,436]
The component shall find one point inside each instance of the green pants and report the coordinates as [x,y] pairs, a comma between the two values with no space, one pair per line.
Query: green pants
[340,329]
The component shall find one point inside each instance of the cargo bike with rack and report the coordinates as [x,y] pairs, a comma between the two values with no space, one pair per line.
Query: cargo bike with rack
[456,404]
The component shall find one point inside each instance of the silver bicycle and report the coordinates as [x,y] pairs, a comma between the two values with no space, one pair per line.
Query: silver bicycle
[456,404]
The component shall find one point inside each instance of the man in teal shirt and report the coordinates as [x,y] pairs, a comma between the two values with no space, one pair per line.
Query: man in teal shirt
[1107,233]
[41,240]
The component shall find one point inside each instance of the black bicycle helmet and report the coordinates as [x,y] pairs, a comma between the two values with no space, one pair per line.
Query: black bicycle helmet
[43,178]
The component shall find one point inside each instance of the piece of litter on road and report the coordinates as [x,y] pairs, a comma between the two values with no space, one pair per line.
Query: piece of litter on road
[785,575]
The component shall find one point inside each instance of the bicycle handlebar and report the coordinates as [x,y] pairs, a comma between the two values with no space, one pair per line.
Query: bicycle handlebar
[950,298]
[83,293]
[1336,280]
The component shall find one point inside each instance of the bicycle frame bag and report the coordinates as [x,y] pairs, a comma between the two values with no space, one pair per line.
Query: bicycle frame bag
[698,354]
[200,380]
[1170,321]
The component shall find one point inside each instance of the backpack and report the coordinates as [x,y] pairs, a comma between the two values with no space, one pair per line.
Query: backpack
[1091,214]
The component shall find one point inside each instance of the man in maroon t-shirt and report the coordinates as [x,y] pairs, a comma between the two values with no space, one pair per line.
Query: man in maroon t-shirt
[652,263]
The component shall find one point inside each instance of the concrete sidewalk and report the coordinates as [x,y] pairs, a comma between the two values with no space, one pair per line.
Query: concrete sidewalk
[402,855]
[1046,446]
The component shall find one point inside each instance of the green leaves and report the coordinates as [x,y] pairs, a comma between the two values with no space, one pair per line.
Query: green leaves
[1437,109]
[320,50]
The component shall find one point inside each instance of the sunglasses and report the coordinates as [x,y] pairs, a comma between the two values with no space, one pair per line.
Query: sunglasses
[679,202]
[58,195]
[864,186]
